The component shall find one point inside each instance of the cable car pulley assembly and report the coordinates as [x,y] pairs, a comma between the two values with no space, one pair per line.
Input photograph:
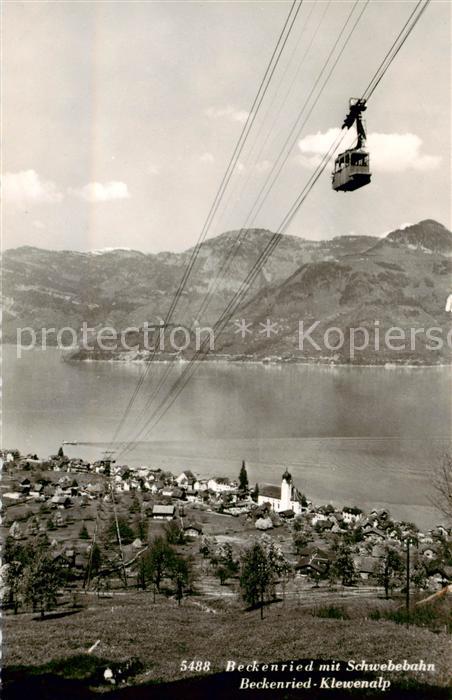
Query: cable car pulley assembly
[351,168]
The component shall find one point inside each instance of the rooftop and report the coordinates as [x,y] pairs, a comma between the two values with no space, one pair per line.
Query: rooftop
[270,491]
[163,510]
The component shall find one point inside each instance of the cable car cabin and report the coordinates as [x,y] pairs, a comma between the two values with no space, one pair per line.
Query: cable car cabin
[351,170]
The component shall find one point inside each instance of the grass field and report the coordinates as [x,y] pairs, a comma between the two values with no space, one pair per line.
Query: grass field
[324,622]
[162,634]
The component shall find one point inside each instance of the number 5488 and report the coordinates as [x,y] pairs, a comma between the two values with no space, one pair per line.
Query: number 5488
[195,665]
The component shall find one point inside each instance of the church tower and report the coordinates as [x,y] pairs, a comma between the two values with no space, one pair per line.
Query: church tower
[286,491]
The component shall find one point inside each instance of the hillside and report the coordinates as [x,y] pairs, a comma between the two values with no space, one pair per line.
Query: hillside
[43,288]
[53,654]
[427,236]
[349,282]
[402,281]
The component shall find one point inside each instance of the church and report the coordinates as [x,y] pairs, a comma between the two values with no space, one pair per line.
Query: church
[281,499]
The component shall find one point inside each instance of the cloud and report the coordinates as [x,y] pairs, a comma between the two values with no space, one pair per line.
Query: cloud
[314,146]
[392,153]
[206,158]
[399,152]
[229,112]
[26,187]
[38,224]
[102,192]
[318,143]
[153,170]
[309,161]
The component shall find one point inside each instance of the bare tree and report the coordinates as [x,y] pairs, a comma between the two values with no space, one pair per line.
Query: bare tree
[442,484]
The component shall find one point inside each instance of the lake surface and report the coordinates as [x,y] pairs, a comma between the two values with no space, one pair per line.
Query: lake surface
[363,436]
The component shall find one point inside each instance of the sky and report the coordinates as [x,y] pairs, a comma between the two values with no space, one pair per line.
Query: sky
[119,119]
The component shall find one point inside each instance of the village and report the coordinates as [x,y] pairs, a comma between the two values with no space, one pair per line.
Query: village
[70,502]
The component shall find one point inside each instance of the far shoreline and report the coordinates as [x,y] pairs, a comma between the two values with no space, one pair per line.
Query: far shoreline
[238,361]
[68,355]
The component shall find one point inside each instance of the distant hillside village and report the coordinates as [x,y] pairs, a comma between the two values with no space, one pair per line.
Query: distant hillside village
[59,494]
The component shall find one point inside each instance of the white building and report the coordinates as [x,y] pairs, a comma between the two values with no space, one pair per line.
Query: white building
[221,485]
[188,480]
[285,498]
[449,303]
[351,515]
[318,517]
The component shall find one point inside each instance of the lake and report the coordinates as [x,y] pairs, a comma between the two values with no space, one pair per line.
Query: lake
[357,436]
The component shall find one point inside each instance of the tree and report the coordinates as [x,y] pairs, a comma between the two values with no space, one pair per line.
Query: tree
[141,528]
[255,494]
[42,579]
[158,561]
[141,566]
[83,534]
[302,500]
[102,583]
[222,573]
[355,535]
[260,567]
[315,576]
[173,533]
[300,541]
[14,582]
[15,531]
[256,577]
[326,509]
[61,452]
[125,531]
[181,573]
[279,564]
[226,565]
[442,485]
[389,570]
[96,558]
[18,551]
[33,526]
[243,478]
[94,564]
[135,506]
[418,575]
[343,567]
[44,509]
[17,557]
[302,533]
[207,546]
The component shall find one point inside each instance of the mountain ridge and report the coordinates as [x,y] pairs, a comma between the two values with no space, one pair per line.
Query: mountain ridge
[402,278]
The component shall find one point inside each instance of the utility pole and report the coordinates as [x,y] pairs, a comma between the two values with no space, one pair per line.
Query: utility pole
[407,598]
[118,534]
[87,579]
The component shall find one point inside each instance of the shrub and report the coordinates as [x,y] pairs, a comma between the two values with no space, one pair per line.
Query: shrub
[375,614]
[83,534]
[332,612]
[435,617]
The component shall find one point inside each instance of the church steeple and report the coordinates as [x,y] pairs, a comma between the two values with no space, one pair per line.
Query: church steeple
[287,476]
[286,491]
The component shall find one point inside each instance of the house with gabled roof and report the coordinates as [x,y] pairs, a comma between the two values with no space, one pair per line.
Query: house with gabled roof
[365,566]
[192,529]
[373,534]
[163,512]
[313,562]
[187,480]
